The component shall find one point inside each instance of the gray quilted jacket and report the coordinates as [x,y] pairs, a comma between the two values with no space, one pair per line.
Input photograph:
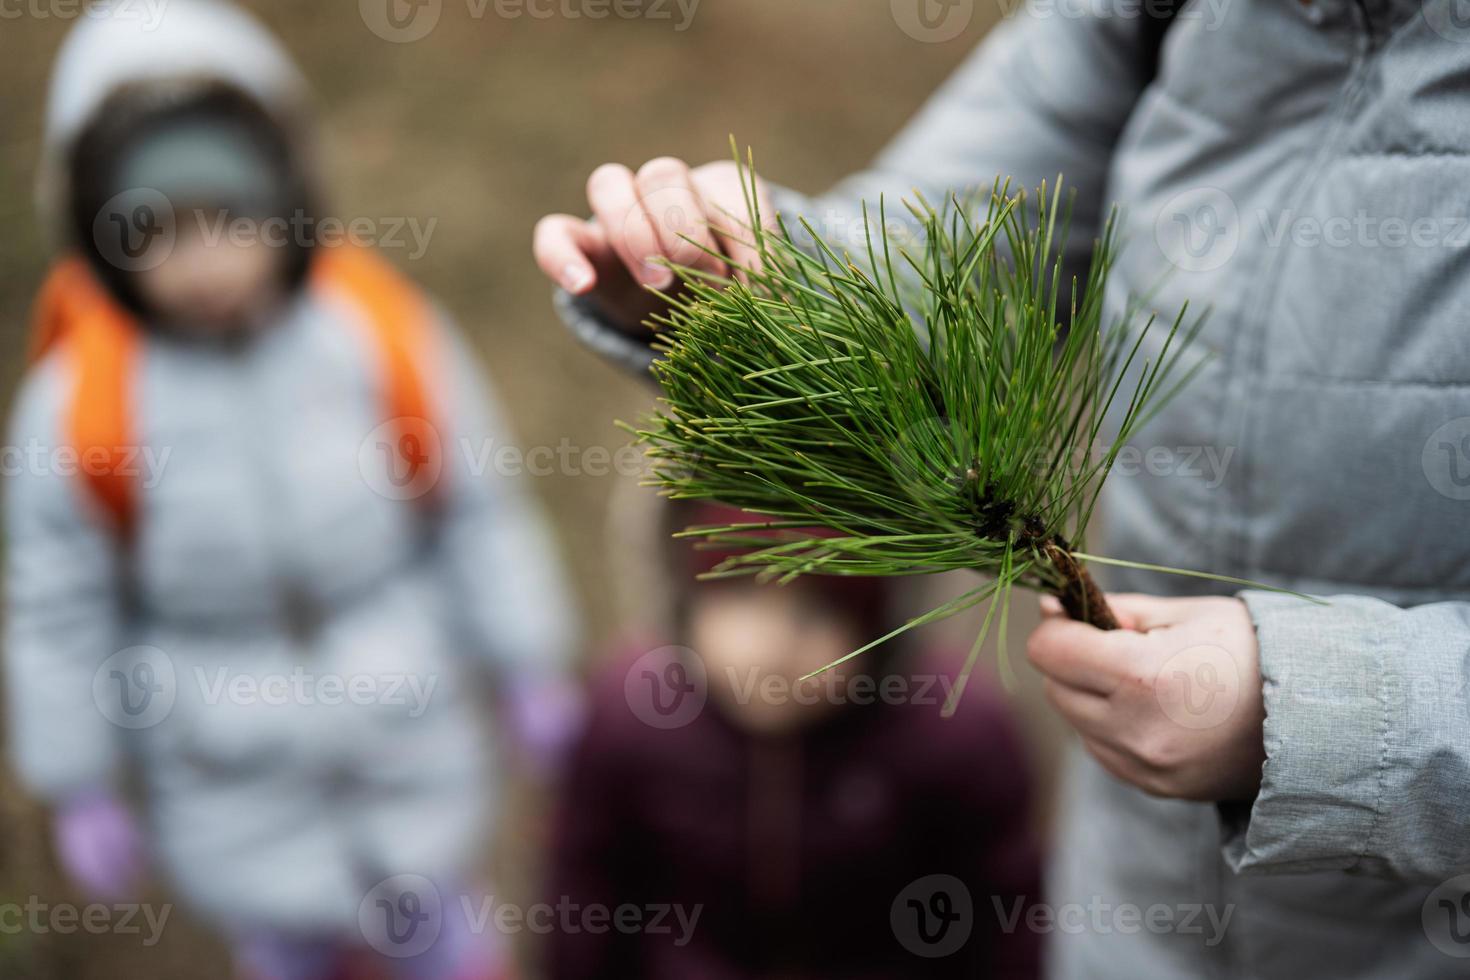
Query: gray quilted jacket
[1303,168]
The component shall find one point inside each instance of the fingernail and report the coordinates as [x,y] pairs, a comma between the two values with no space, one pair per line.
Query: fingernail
[576,279]
[657,275]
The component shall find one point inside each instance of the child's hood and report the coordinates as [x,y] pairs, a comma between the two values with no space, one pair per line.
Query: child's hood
[128,43]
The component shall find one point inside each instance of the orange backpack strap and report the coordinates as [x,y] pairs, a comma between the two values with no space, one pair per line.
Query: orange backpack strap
[400,324]
[100,343]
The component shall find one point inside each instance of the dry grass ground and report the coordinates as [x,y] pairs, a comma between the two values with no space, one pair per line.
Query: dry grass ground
[481,127]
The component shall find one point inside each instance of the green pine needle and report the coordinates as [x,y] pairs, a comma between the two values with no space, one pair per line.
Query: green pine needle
[938,405]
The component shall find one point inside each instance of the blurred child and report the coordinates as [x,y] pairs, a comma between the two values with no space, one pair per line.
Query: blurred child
[258,591]
[740,825]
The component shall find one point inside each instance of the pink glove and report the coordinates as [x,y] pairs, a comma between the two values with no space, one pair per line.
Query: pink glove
[99,845]
[545,715]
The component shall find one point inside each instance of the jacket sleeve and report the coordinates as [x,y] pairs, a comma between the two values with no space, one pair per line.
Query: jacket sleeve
[63,606]
[1367,740]
[1043,95]
[505,572]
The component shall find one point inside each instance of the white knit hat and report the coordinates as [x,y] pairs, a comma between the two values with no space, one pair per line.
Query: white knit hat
[117,44]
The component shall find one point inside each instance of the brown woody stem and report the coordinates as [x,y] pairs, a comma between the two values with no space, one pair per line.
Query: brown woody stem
[1080,595]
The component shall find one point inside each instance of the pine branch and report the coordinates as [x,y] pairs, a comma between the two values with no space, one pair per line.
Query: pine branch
[938,405]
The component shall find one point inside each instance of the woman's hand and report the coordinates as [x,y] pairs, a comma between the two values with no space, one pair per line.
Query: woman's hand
[666,212]
[1171,703]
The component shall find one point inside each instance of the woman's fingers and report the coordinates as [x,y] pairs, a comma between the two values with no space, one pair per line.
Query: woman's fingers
[1079,655]
[612,190]
[568,250]
[722,189]
[1133,612]
[1085,711]
[1145,612]
[677,215]
[665,214]
[1090,716]
[1119,764]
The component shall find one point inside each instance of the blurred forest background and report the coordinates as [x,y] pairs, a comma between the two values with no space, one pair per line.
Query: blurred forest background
[483,126]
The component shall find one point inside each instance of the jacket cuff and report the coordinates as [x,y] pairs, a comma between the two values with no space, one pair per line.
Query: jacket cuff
[1326,739]
[594,329]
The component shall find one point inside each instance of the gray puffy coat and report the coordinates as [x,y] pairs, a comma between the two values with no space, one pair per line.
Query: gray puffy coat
[1303,168]
[290,669]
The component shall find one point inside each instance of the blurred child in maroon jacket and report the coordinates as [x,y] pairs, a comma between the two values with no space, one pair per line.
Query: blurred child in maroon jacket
[721,820]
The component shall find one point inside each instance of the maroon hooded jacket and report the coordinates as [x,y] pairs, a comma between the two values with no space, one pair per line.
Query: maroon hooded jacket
[857,847]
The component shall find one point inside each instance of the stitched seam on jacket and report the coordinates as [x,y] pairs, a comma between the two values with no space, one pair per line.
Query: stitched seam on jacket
[1300,379]
[1408,154]
[1382,781]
